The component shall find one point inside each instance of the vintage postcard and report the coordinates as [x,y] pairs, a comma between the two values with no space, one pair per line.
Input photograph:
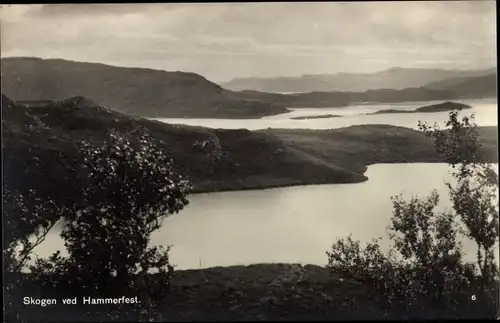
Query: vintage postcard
[250,161]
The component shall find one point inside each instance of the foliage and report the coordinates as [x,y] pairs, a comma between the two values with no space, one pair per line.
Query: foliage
[24,216]
[369,265]
[131,188]
[474,197]
[127,189]
[424,273]
[460,147]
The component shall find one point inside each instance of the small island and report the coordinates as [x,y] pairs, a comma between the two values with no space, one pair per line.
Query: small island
[323,116]
[445,106]
[392,111]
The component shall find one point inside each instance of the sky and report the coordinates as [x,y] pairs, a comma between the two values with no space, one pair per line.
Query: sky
[222,41]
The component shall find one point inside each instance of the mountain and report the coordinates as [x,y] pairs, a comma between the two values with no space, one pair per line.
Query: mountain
[404,95]
[471,87]
[339,99]
[137,91]
[394,78]
[160,94]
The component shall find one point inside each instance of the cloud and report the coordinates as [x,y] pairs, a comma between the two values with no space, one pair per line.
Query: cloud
[225,40]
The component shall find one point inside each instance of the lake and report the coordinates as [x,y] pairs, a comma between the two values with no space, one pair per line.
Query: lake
[484,109]
[293,224]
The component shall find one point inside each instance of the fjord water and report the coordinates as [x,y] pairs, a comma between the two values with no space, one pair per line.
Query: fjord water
[293,224]
[485,111]
[299,224]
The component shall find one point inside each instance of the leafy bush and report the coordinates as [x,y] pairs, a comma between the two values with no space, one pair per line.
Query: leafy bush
[23,215]
[130,189]
[127,189]
[424,274]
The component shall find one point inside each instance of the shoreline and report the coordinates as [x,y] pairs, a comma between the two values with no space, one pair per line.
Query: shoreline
[270,186]
[231,117]
[305,183]
[353,104]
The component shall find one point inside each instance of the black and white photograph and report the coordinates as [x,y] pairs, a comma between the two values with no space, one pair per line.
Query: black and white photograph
[249,161]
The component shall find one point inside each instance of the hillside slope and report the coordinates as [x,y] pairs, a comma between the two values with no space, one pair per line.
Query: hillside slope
[137,91]
[160,94]
[42,142]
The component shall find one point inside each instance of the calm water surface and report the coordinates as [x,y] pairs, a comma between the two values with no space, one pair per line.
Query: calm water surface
[484,109]
[299,224]
[294,224]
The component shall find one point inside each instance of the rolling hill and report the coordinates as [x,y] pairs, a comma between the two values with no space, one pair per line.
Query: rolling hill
[136,91]
[41,142]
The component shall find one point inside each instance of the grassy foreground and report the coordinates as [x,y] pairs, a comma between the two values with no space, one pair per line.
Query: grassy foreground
[243,293]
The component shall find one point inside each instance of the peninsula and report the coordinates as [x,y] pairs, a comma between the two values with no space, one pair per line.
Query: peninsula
[212,159]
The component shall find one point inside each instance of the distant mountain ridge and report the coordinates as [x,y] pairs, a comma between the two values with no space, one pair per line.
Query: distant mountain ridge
[160,94]
[470,87]
[395,78]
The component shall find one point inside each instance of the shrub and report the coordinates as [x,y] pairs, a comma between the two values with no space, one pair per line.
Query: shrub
[424,274]
[127,188]
[130,189]
[24,216]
